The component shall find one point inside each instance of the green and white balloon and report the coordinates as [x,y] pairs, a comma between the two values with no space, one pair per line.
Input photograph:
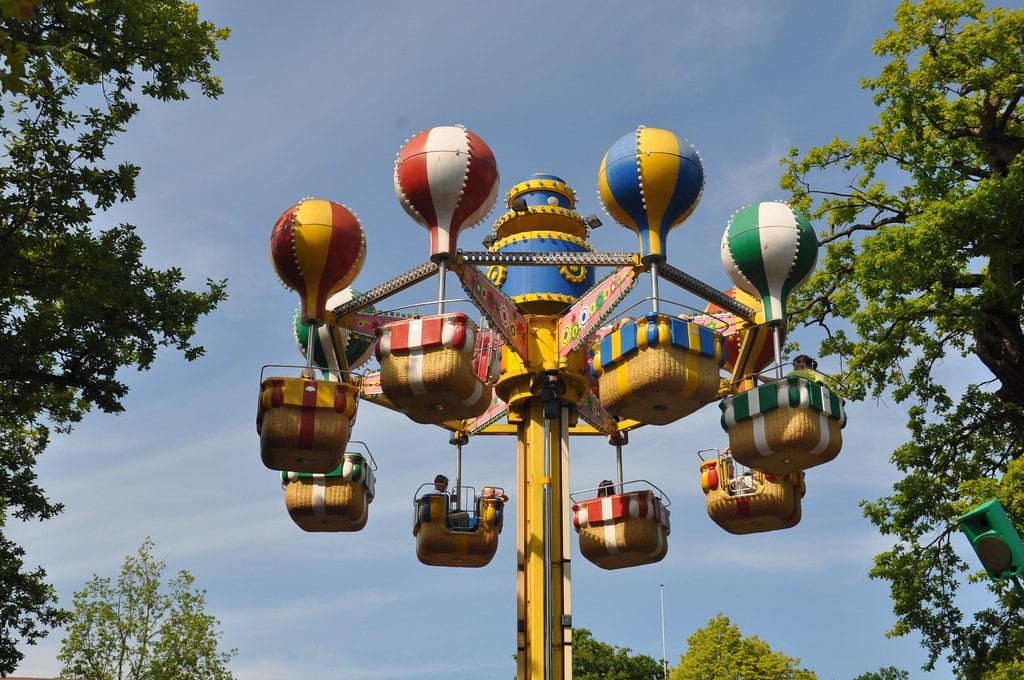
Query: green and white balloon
[769,250]
[330,341]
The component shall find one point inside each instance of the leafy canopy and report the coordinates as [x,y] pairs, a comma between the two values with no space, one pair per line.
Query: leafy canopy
[77,301]
[921,289]
[138,629]
[720,651]
[596,660]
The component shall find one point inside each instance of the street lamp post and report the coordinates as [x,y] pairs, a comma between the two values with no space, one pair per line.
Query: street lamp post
[664,658]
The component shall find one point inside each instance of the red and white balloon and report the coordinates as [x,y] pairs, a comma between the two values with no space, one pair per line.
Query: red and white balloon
[446,179]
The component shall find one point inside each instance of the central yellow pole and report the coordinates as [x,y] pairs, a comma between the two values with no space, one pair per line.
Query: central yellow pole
[539,392]
[544,606]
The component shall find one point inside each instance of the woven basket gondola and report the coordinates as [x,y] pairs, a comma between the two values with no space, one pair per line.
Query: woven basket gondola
[773,504]
[623,530]
[784,426]
[428,371]
[440,546]
[658,369]
[336,501]
[304,425]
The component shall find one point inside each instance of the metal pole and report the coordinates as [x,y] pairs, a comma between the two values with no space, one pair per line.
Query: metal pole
[442,271]
[549,659]
[458,440]
[311,330]
[664,657]
[618,464]
[654,286]
[778,350]
[543,571]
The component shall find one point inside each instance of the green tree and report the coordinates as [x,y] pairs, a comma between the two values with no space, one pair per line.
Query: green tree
[137,629]
[595,660]
[888,673]
[1011,670]
[720,651]
[77,302]
[921,288]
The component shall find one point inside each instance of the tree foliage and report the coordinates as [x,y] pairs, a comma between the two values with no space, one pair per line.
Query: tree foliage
[77,302]
[921,288]
[720,651]
[136,629]
[887,673]
[595,660]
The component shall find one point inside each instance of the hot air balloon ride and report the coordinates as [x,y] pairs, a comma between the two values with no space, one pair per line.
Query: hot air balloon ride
[463,538]
[657,368]
[304,424]
[317,248]
[650,181]
[793,423]
[446,178]
[544,361]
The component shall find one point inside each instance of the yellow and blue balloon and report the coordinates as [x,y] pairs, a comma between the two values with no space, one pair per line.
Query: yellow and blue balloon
[650,181]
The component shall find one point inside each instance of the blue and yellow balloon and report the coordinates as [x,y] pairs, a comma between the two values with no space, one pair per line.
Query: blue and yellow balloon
[649,182]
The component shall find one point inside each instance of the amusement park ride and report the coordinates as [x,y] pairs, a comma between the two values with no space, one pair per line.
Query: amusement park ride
[548,362]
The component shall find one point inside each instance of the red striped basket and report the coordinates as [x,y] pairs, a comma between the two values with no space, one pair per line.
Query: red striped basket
[427,368]
[623,530]
[304,425]
[773,504]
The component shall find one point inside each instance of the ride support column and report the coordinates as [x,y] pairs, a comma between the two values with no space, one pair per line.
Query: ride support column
[544,607]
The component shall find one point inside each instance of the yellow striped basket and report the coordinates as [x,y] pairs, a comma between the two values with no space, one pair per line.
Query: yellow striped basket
[623,530]
[774,504]
[438,545]
[304,425]
[784,426]
[427,368]
[658,369]
[336,501]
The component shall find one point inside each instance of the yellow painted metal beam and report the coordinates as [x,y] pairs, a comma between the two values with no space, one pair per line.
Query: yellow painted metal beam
[544,604]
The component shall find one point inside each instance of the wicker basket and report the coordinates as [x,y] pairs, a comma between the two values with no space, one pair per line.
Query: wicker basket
[439,546]
[304,425]
[773,504]
[782,427]
[624,530]
[447,387]
[658,369]
[337,501]
[431,376]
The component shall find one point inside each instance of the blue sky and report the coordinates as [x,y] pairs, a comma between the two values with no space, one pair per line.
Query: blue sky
[319,97]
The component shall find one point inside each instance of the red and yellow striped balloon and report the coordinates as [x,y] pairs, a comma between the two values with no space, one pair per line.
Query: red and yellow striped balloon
[317,247]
